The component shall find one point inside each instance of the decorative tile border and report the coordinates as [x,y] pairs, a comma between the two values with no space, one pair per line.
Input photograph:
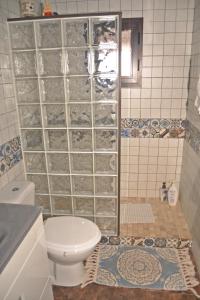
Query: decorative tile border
[10,154]
[193,137]
[147,242]
[153,128]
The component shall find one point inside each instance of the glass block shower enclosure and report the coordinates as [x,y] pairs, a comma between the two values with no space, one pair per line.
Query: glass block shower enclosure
[66,73]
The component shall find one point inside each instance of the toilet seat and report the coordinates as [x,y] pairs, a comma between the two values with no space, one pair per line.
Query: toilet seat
[68,233]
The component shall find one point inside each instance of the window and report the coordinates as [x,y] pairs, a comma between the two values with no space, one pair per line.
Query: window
[131,52]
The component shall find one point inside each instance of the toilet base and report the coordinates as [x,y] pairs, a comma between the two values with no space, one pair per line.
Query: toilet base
[67,275]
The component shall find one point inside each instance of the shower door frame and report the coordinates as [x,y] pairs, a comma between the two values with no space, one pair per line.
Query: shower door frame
[79,16]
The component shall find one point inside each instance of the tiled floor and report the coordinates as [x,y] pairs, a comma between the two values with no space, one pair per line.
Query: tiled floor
[169,221]
[100,292]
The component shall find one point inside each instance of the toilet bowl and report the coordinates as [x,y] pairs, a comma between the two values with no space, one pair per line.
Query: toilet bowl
[70,240]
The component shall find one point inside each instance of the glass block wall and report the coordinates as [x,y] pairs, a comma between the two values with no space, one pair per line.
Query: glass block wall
[67,88]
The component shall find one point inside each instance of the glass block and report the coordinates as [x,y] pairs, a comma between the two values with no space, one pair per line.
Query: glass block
[76,32]
[105,88]
[106,185]
[105,139]
[44,202]
[22,35]
[52,90]
[49,34]
[56,139]
[32,139]
[60,184]
[58,163]
[54,115]
[51,63]
[80,115]
[83,205]
[107,225]
[106,61]
[61,205]
[105,163]
[79,89]
[35,162]
[105,115]
[81,139]
[106,206]
[81,163]
[82,185]
[27,91]
[41,183]
[24,63]
[104,31]
[30,116]
[77,61]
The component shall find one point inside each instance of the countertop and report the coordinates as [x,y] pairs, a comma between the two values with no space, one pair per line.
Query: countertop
[15,222]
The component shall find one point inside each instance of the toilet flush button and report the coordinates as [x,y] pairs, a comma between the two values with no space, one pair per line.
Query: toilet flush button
[65,254]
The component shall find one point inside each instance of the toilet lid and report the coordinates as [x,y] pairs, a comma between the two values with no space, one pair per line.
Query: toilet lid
[71,232]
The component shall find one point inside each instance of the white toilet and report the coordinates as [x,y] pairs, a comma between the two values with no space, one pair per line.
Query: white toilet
[70,240]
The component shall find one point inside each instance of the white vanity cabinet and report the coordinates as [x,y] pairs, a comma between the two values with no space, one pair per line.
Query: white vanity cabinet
[26,276]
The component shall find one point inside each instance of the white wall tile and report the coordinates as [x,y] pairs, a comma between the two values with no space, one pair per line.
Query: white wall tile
[8,116]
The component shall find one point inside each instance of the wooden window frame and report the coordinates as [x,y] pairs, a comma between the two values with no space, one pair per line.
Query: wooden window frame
[136,26]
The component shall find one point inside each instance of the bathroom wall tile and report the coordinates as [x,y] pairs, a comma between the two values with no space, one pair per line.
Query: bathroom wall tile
[173,128]
[10,155]
[157,90]
[11,160]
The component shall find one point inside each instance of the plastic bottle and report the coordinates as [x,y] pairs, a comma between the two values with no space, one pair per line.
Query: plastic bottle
[47,11]
[172,195]
[163,192]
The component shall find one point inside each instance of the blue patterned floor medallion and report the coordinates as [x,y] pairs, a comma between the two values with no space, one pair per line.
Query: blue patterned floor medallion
[141,267]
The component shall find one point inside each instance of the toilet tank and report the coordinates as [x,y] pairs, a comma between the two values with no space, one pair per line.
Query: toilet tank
[18,192]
